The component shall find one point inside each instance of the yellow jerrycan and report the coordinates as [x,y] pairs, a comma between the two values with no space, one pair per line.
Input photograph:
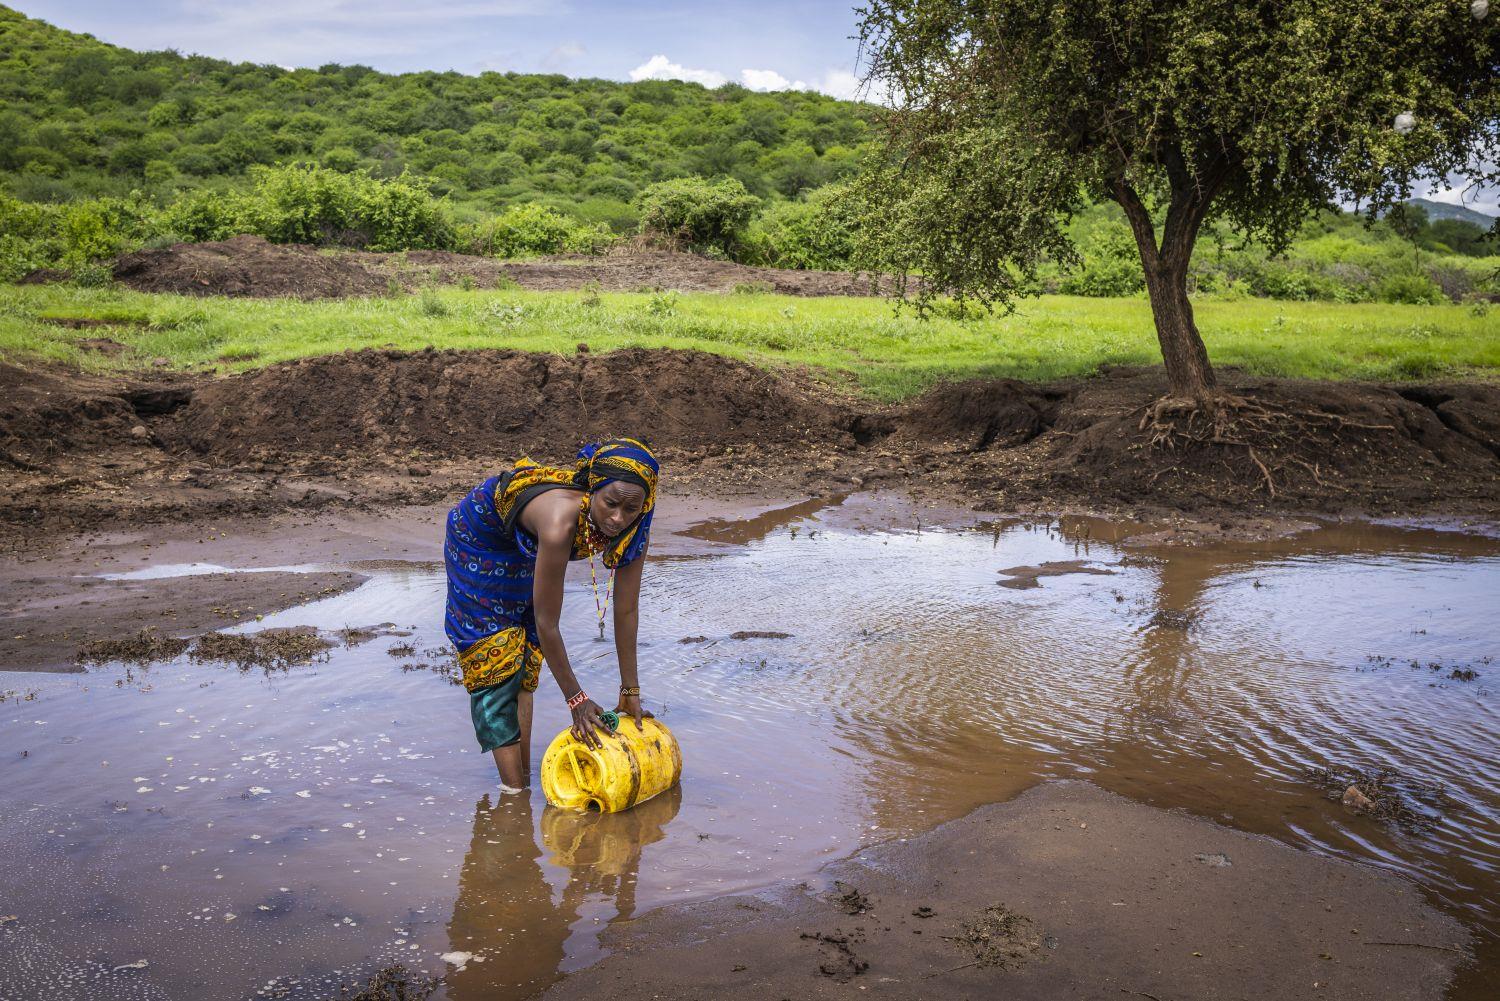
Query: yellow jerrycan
[632,766]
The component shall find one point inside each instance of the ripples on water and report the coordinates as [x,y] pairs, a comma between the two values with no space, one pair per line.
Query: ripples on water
[912,689]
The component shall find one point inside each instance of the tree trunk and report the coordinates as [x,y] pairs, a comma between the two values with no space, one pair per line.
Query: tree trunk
[1182,350]
[1188,371]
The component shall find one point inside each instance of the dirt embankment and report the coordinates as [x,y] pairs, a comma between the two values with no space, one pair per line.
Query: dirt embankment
[388,427]
[251,266]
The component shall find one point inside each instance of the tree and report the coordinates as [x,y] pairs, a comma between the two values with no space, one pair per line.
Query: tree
[1008,113]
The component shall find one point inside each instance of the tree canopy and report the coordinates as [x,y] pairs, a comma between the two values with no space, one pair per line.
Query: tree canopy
[1011,114]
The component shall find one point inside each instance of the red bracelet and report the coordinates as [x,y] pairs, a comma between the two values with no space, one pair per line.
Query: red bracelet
[578,699]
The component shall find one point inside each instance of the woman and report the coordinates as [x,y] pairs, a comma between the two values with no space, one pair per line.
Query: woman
[507,549]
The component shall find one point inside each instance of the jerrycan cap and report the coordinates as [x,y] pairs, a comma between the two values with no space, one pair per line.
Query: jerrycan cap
[610,719]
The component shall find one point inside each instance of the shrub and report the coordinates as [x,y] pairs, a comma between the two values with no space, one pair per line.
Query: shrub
[1111,265]
[816,233]
[1413,289]
[696,213]
[533,229]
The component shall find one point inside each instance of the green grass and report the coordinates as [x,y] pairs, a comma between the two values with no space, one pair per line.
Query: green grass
[861,340]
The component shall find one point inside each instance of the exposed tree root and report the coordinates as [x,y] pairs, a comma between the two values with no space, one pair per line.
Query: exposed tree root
[1268,433]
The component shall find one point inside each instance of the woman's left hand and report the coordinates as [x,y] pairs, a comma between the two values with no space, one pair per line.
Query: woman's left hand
[630,705]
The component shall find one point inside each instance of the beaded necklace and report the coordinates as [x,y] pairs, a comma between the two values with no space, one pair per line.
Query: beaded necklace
[595,541]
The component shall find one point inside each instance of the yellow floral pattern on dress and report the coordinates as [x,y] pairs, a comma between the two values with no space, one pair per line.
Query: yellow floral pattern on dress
[495,658]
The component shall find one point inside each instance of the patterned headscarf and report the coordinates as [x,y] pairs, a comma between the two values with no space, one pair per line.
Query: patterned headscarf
[630,461]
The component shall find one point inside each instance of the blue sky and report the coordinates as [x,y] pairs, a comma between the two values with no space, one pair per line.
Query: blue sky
[765,44]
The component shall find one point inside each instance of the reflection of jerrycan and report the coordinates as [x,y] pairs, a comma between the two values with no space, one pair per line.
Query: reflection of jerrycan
[631,767]
[607,845]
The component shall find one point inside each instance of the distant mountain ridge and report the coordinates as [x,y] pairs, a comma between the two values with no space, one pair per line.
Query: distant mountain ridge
[1442,210]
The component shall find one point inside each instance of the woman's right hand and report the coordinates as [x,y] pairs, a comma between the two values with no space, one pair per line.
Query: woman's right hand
[587,725]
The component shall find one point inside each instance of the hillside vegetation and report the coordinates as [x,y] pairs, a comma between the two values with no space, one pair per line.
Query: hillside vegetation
[104,150]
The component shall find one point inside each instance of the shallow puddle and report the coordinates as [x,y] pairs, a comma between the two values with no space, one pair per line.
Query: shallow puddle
[280,834]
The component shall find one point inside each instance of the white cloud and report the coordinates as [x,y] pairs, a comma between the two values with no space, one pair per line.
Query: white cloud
[841,84]
[769,80]
[661,68]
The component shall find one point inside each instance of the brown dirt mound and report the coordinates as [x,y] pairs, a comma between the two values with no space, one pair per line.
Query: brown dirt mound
[245,266]
[483,403]
[379,427]
[251,266]
[661,269]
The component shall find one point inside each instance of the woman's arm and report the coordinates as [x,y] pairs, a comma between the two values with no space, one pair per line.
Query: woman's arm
[627,622]
[554,546]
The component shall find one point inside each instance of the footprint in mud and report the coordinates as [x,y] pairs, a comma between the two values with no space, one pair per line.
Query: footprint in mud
[840,961]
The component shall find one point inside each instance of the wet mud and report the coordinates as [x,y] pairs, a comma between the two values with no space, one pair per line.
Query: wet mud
[1064,892]
[295,832]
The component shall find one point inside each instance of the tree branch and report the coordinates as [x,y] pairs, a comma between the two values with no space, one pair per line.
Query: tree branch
[1139,218]
[1193,193]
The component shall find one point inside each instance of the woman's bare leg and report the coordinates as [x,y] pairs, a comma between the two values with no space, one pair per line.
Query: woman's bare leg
[523,713]
[509,760]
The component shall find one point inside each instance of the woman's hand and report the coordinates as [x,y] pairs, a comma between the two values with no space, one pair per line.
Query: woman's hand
[630,705]
[587,726]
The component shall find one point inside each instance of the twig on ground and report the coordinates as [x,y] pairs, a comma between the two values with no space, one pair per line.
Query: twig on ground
[1420,945]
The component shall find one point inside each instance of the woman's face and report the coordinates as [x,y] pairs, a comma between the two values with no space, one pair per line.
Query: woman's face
[615,506]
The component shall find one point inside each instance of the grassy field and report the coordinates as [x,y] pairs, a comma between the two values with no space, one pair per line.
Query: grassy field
[859,340]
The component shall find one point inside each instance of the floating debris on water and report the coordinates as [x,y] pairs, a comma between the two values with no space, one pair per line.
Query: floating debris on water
[272,650]
[393,983]
[144,647]
[1384,794]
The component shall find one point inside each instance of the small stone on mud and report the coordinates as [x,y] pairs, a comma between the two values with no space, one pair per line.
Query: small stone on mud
[1216,859]
[139,431]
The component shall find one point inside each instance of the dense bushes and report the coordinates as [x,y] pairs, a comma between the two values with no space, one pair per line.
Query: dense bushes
[816,233]
[694,213]
[306,204]
[71,235]
[532,229]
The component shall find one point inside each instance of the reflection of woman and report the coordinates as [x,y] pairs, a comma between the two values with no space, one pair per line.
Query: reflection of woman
[504,912]
[508,545]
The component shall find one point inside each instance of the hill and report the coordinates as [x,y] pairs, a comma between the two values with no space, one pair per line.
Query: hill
[84,118]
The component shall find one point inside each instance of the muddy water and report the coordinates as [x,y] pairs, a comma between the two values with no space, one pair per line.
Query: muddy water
[276,835]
